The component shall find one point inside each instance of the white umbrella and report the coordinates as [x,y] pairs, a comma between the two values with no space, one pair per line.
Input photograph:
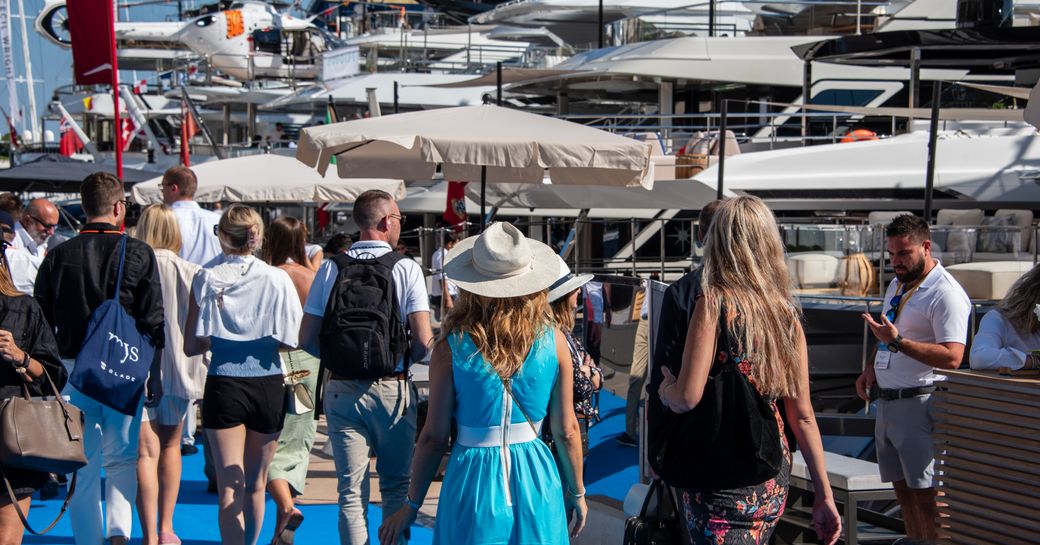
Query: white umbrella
[478,143]
[668,194]
[268,178]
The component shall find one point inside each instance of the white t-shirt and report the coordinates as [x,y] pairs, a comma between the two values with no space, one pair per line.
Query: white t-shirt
[199,243]
[998,344]
[408,279]
[437,264]
[594,293]
[937,312]
[233,295]
[312,250]
[24,258]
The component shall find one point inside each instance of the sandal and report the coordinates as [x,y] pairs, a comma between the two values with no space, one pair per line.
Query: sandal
[285,537]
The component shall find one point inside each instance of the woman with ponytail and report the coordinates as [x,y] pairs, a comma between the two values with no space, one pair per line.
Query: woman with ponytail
[243,311]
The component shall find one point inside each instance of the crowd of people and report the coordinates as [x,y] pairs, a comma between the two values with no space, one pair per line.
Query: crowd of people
[250,323]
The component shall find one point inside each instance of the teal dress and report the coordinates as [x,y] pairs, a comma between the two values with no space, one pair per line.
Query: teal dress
[501,485]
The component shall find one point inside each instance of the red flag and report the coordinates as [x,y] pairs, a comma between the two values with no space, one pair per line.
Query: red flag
[455,209]
[188,130]
[93,54]
[69,143]
[130,131]
[324,217]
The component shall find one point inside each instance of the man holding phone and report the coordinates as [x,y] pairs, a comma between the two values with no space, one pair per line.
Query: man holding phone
[923,327]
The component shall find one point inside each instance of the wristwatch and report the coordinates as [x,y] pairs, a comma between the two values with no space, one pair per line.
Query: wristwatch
[23,367]
[893,345]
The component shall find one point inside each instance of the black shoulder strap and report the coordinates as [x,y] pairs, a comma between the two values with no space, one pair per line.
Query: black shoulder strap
[390,259]
[342,261]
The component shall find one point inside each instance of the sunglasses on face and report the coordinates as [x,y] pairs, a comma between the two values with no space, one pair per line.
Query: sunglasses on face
[46,226]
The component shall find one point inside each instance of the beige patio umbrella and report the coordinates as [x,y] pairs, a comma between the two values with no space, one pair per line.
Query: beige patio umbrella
[486,144]
[268,178]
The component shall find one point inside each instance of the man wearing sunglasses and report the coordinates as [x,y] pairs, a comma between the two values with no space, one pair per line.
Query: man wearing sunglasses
[923,327]
[32,238]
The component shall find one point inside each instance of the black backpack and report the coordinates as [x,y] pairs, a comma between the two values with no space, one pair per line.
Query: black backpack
[363,334]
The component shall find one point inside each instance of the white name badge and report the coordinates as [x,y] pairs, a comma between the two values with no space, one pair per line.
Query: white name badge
[883,358]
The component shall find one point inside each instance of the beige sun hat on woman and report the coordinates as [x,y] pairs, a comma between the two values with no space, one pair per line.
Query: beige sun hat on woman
[501,262]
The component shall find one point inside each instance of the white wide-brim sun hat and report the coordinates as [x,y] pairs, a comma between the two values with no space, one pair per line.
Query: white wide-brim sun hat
[501,262]
[567,282]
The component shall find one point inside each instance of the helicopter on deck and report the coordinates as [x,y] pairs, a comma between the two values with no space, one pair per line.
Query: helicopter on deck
[251,40]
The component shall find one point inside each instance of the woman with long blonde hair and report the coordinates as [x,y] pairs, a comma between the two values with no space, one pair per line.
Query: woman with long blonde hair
[747,292]
[500,368]
[244,312]
[1009,333]
[183,379]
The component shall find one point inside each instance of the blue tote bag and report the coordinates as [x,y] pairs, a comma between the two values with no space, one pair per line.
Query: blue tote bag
[113,363]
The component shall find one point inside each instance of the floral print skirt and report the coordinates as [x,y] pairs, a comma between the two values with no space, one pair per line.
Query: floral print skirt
[740,516]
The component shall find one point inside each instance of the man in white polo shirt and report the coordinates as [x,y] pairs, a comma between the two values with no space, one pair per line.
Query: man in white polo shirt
[199,243]
[923,327]
[374,414]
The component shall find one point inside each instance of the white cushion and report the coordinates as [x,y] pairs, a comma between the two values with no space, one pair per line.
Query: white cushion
[999,234]
[1023,219]
[972,216]
[844,473]
[813,269]
[989,280]
[884,218]
[995,256]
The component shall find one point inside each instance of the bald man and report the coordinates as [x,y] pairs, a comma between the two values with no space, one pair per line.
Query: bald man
[32,235]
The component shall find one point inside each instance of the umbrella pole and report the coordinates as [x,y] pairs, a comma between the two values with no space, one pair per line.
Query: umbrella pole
[483,197]
[933,133]
[722,149]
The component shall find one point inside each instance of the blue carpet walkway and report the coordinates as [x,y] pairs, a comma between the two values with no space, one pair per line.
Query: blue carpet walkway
[610,470]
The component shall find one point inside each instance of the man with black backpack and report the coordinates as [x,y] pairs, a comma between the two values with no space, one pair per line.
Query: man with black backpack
[368,316]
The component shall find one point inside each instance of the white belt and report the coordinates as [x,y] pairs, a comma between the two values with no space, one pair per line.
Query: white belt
[492,436]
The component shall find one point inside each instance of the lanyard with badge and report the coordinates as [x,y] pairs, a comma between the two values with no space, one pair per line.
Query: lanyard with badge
[896,304]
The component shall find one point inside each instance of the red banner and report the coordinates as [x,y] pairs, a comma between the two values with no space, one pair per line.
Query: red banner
[455,209]
[93,55]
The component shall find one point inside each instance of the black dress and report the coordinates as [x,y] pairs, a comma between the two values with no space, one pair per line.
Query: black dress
[23,318]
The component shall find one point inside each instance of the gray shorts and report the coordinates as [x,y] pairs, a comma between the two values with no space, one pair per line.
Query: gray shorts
[905,448]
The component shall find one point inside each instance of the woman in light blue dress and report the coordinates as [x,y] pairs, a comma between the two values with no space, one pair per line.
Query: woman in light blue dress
[500,368]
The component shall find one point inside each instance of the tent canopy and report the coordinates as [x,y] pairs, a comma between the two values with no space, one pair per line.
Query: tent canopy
[513,146]
[60,174]
[268,178]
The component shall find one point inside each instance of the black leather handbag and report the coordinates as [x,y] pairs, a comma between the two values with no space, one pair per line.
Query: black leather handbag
[729,440]
[660,521]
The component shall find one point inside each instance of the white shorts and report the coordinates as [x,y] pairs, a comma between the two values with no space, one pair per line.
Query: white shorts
[170,412]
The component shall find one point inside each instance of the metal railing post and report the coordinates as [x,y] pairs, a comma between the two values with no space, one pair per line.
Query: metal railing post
[632,228]
[866,340]
[660,233]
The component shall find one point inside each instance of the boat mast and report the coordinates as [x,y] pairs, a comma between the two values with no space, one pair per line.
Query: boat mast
[29,81]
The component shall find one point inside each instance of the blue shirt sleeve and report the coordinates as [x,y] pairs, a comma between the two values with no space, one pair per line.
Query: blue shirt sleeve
[318,297]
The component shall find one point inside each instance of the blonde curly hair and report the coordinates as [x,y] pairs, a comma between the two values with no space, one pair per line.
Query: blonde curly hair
[503,330]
